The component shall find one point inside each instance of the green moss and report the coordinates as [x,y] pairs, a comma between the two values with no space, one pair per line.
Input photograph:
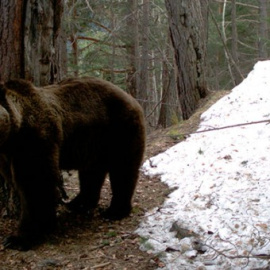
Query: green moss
[174,134]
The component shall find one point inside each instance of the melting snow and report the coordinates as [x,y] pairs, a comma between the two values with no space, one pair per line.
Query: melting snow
[219,215]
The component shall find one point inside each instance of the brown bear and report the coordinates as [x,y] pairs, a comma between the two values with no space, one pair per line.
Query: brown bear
[85,124]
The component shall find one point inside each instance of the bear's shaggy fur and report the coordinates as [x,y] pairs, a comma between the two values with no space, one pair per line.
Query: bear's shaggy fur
[85,124]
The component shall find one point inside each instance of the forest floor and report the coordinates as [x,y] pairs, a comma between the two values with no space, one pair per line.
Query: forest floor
[94,243]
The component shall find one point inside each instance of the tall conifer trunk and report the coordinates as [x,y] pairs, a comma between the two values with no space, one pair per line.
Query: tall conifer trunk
[188,35]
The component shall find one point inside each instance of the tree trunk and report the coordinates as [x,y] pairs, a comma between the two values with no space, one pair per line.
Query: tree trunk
[11,39]
[234,32]
[132,42]
[263,29]
[143,82]
[236,76]
[112,58]
[167,102]
[74,60]
[41,28]
[59,69]
[189,42]
[31,44]
[30,40]
[162,120]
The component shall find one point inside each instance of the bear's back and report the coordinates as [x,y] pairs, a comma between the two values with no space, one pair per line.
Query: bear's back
[97,117]
[92,98]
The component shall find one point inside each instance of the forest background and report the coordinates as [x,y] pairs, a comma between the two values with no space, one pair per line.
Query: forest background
[167,54]
[127,41]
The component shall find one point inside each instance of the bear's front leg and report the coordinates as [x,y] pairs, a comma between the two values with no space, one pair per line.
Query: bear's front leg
[37,190]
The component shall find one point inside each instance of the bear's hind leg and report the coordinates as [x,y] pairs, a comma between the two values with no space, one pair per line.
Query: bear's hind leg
[123,182]
[91,181]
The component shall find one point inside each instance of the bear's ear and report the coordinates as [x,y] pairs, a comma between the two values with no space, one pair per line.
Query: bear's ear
[20,86]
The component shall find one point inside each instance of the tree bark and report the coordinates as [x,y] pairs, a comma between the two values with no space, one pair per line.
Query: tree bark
[11,39]
[31,40]
[144,61]
[188,39]
[234,49]
[132,47]
[162,120]
[234,32]
[168,102]
[263,29]
[112,58]
[74,60]
[42,28]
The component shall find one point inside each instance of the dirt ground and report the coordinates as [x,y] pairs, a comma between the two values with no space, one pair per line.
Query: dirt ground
[94,243]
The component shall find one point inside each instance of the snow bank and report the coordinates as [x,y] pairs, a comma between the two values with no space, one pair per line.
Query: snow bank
[218,217]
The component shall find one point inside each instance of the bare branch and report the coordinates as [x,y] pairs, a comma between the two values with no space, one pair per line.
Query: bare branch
[238,3]
[100,41]
[88,5]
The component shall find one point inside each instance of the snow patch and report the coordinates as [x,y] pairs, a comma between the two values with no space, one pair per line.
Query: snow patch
[222,200]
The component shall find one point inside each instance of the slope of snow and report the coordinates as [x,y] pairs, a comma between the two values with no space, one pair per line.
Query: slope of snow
[218,217]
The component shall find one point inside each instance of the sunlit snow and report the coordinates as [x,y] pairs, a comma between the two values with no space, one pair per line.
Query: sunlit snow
[218,217]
